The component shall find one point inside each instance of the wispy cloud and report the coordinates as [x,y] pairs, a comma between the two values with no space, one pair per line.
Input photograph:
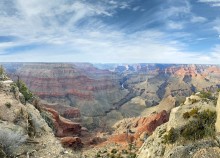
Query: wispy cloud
[213,3]
[80,31]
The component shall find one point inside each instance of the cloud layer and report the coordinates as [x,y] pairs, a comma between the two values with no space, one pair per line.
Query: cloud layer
[109,31]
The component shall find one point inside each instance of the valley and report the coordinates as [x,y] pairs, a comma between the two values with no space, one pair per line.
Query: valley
[108,105]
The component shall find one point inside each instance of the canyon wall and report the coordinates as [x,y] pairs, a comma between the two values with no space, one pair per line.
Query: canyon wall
[109,92]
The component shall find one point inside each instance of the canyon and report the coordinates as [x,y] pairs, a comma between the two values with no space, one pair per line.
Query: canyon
[113,91]
[108,106]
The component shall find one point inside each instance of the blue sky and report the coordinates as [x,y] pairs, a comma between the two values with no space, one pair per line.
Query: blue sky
[110,31]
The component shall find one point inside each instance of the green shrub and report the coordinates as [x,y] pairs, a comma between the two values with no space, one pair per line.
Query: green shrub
[194,101]
[114,151]
[24,90]
[206,95]
[203,126]
[1,70]
[186,115]
[171,137]
[192,113]
[48,120]
[8,105]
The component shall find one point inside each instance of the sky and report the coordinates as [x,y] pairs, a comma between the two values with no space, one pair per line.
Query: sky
[110,31]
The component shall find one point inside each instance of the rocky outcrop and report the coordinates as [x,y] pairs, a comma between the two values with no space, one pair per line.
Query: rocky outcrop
[64,127]
[137,129]
[187,134]
[217,125]
[210,152]
[65,111]
[23,132]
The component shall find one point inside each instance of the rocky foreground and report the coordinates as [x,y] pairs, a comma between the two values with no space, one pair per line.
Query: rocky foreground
[189,133]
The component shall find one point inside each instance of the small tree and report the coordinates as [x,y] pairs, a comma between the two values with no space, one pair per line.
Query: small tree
[24,90]
[1,70]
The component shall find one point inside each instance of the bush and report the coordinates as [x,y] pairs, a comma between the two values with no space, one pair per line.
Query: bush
[171,137]
[203,126]
[1,70]
[193,113]
[206,95]
[8,105]
[48,120]
[24,90]
[11,139]
[186,115]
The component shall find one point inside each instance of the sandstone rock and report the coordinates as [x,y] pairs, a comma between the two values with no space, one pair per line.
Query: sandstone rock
[17,122]
[137,129]
[176,119]
[64,127]
[211,152]
[155,146]
[217,125]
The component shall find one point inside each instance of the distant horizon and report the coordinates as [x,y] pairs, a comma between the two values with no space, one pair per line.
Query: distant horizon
[51,62]
[110,31]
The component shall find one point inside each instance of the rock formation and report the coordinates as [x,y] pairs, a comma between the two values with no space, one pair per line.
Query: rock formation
[23,131]
[137,129]
[217,125]
[103,91]
[64,127]
[189,133]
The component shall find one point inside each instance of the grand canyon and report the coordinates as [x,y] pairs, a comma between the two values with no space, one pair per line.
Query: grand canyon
[98,108]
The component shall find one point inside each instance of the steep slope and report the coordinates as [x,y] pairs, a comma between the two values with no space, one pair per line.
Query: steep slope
[23,132]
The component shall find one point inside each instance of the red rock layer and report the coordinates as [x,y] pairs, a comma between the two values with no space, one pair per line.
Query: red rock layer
[67,112]
[64,127]
[139,126]
[61,80]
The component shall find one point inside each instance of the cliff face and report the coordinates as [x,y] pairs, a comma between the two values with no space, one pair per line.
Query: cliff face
[83,86]
[23,131]
[113,91]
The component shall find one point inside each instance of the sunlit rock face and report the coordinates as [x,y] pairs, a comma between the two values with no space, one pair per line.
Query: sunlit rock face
[217,125]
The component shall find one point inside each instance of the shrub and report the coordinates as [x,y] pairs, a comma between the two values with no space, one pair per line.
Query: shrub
[171,137]
[194,101]
[206,95]
[24,90]
[48,120]
[193,113]
[1,70]
[114,151]
[186,115]
[8,105]
[11,139]
[203,126]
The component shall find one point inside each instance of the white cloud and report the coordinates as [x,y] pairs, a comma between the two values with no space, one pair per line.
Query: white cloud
[213,3]
[58,26]
[198,19]
[175,25]
[216,25]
